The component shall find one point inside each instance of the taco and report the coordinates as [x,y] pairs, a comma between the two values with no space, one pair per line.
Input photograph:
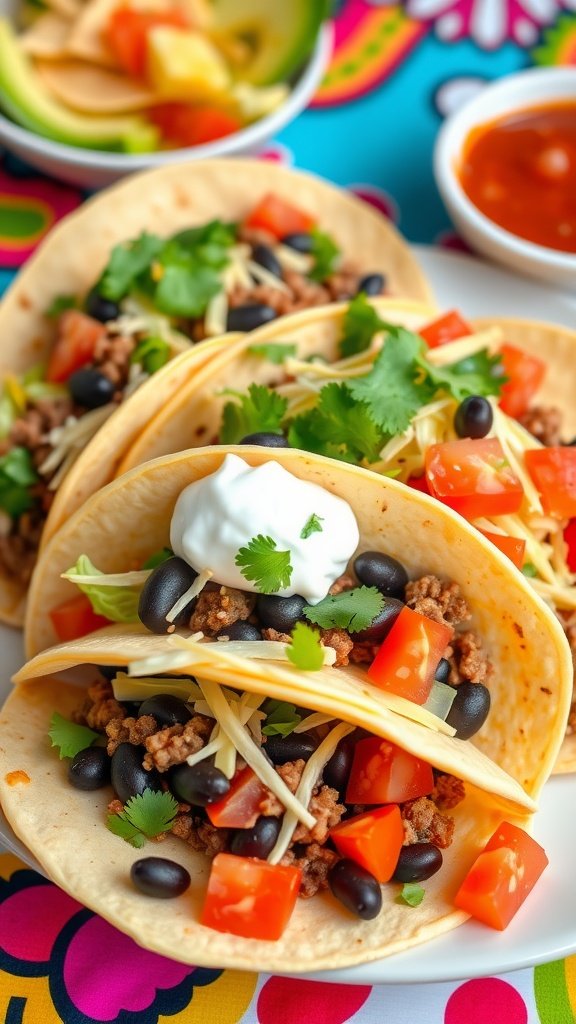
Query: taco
[251,687]
[401,409]
[141,273]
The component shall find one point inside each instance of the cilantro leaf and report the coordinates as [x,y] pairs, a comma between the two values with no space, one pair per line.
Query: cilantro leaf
[185,287]
[338,426]
[281,718]
[17,475]
[353,610]
[60,304]
[262,409]
[306,651]
[69,737]
[152,812]
[275,352]
[312,525]
[392,391]
[361,323]
[262,564]
[119,604]
[157,558]
[127,262]
[325,254]
[529,570]
[118,824]
[151,353]
[412,894]
[479,374]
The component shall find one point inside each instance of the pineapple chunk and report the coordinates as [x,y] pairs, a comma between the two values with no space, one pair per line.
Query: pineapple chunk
[184,65]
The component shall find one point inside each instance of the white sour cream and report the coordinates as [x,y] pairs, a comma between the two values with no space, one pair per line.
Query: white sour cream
[215,517]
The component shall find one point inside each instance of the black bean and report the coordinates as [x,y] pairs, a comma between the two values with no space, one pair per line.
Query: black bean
[258,841]
[443,671]
[90,769]
[264,256]
[266,440]
[168,582]
[382,571]
[166,709]
[371,284]
[356,888]
[301,242]
[280,613]
[111,671]
[249,317]
[417,862]
[240,630]
[469,709]
[100,308]
[90,388]
[200,784]
[160,877]
[382,624]
[128,776]
[337,770]
[281,749]
[473,417]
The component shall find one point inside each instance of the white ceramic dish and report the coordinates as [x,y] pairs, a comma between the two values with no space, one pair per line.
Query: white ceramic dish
[545,929]
[534,87]
[91,168]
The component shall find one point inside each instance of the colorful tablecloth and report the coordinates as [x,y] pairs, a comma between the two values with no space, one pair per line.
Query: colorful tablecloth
[398,69]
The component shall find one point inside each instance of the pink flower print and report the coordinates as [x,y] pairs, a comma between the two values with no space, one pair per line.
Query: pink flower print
[489,23]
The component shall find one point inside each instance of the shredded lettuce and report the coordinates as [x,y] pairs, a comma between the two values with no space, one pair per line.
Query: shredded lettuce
[119,604]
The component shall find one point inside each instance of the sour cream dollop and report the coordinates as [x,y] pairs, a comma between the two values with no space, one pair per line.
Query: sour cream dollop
[215,517]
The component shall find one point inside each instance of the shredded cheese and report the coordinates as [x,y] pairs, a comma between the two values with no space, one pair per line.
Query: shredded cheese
[267,277]
[192,592]
[112,579]
[313,721]
[126,688]
[446,355]
[216,317]
[269,650]
[73,435]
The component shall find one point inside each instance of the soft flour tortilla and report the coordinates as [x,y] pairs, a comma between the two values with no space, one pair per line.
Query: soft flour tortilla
[121,525]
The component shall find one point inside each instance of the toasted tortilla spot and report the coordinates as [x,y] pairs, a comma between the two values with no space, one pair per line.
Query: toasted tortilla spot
[93,90]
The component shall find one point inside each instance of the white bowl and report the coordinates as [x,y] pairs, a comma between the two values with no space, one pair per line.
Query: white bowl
[531,88]
[90,168]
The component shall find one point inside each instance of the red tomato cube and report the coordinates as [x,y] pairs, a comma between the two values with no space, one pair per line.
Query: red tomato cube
[408,656]
[240,808]
[502,876]
[513,547]
[553,471]
[78,336]
[279,217]
[525,374]
[473,477]
[250,897]
[76,618]
[383,773]
[445,329]
[373,839]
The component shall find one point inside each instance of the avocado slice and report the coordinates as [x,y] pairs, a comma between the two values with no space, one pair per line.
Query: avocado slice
[278,37]
[23,97]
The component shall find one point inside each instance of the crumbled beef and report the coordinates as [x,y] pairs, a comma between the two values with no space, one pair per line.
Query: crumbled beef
[100,706]
[344,582]
[115,806]
[438,600]
[19,544]
[175,743]
[201,835]
[290,773]
[544,423]
[273,634]
[216,609]
[363,652]
[256,236]
[112,358]
[340,641]
[328,812]
[423,823]
[314,862]
[448,792]
[468,662]
[343,284]
[129,730]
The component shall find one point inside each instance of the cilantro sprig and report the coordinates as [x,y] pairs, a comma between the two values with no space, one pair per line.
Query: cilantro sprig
[361,323]
[17,476]
[281,718]
[325,254]
[312,525]
[152,353]
[305,651]
[69,737]
[144,816]
[261,409]
[261,563]
[353,610]
[412,894]
[275,352]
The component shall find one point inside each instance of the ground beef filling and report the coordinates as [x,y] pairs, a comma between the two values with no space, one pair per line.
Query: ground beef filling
[424,819]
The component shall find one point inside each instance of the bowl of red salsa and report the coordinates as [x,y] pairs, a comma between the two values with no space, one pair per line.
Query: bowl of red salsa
[505,165]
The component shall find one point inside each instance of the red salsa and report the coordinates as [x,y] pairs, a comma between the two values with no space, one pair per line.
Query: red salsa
[520,171]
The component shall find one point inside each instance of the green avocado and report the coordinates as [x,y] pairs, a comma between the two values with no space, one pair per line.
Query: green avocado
[23,98]
[278,37]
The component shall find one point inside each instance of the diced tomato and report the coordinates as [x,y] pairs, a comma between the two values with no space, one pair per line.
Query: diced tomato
[78,335]
[127,35]
[373,839]
[553,470]
[185,124]
[502,876]
[250,897]
[525,374]
[279,217]
[383,773]
[408,656]
[513,547]
[447,328]
[419,483]
[473,477]
[240,808]
[76,618]
[570,541]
